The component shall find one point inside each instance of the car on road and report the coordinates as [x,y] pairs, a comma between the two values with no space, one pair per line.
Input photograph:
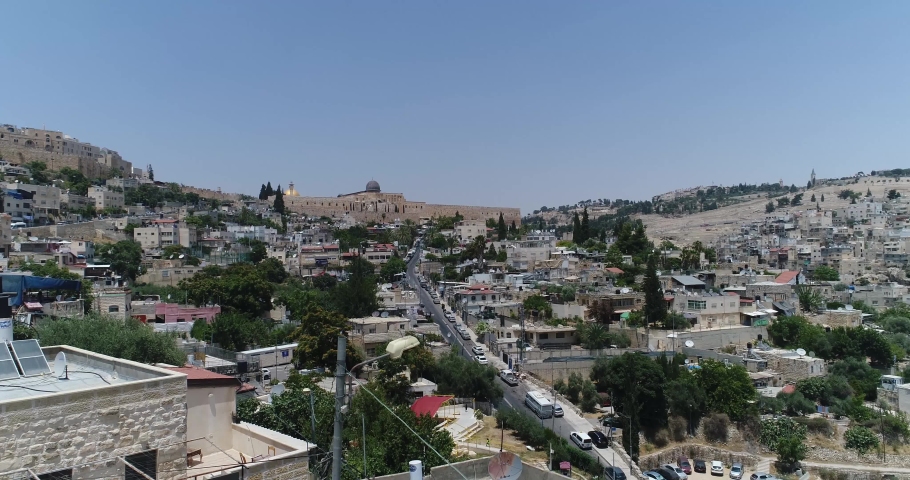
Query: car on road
[481,359]
[668,473]
[477,349]
[509,377]
[736,471]
[762,476]
[558,411]
[599,439]
[700,466]
[581,440]
[464,334]
[717,468]
[614,473]
[684,464]
[679,471]
[653,475]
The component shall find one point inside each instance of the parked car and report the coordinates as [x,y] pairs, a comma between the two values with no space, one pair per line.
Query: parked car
[558,411]
[717,468]
[581,440]
[700,466]
[599,439]
[481,359]
[614,473]
[679,471]
[653,475]
[668,473]
[684,464]
[477,349]
[614,422]
[509,377]
[762,476]
[736,471]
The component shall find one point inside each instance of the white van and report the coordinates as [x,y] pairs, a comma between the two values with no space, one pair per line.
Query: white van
[17,225]
[582,440]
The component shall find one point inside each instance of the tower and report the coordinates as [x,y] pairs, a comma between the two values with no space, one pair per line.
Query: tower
[812,179]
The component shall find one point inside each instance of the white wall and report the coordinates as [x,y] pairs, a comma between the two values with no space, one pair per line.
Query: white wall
[210,417]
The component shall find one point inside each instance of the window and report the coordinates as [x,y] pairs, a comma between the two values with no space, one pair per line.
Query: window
[145,462]
[560,334]
[543,336]
[113,309]
[696,305]
[57,475]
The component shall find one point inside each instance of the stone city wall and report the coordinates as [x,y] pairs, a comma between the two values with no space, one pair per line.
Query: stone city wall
[339,207]
[54,161]
[88,430]
[213,194]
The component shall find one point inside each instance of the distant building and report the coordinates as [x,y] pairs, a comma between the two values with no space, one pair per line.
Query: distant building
[105,199]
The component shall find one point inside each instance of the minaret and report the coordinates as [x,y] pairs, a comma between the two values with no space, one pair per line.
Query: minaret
[813,177]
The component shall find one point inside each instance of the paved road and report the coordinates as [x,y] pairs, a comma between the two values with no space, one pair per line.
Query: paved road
[512,396]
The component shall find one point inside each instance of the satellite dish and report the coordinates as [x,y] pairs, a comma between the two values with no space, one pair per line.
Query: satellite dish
[811,354]
[60,365]
[800,352]
[375,314]
[277,389]
[690,343]
[384,315]
[505,466]
[181,256]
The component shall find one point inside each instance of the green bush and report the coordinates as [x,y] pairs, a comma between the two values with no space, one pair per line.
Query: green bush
[817,426]
[860,439]
[715,427]
[677,427]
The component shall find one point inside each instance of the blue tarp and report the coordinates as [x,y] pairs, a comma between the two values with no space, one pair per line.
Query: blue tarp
[18,284]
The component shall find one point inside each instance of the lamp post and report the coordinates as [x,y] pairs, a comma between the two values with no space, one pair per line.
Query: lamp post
[309,393]
[394,350]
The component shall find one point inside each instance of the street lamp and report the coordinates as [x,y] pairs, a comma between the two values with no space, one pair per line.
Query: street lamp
[309,393]
[394,350]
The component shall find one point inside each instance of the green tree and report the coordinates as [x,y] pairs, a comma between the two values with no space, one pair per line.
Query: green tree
[636,387]
[391,268]
[860,439]
[317,338]
[501,231]
[539,304]
[461,377]
[128,339]
[585,227]
[825,273]
[40,175]
[356,297]
[124,257]
[809,298]
[686,398]
[863,379]
[239,288]
[655,310]
[769,207]
[278,204]
[201,330]
[237,332]
[728,388]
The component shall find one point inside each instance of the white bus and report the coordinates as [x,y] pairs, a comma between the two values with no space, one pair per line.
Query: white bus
[539,404]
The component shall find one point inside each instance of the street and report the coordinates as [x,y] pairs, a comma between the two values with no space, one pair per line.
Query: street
[512,396]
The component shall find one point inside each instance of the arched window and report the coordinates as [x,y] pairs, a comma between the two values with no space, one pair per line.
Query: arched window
[113,309]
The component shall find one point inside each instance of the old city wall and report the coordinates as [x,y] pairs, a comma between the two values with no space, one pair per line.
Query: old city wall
[213,194]
[54,161]
[73,231]
[336,208]
[92,428]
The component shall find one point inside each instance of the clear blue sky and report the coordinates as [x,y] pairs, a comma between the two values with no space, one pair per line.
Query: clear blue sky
[500,103]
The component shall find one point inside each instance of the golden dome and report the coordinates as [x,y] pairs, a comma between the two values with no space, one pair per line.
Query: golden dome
[290,192]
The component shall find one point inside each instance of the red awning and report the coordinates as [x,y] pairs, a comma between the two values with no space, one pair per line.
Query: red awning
[429,405]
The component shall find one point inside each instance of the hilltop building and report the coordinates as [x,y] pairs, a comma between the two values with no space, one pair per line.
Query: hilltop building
[371,204]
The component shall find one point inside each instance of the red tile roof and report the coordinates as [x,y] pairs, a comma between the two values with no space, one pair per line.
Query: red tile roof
[785,277]
[614,270]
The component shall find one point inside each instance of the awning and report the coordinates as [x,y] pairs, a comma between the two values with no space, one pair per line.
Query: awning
[624,315]
[754,314]
[690,316]
[18,284]
[429,405]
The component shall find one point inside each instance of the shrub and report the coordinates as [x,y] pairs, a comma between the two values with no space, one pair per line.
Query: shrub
[662,438]
[860,439]
[678,428]
[716,426]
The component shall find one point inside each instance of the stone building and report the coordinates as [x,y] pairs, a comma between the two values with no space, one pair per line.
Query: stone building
[58,150]
[105,198]
[115,419]
[372,204]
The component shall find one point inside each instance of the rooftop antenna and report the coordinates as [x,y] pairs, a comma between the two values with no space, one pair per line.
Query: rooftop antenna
[800,352]
[61,369]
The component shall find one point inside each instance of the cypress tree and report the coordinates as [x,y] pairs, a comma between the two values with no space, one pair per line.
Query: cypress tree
[501,228]
[655,306]
[268,189]
[279,201]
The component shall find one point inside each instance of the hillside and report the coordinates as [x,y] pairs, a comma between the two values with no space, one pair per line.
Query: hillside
[713,224]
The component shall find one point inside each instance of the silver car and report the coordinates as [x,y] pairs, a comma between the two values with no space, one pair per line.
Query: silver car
[736,471]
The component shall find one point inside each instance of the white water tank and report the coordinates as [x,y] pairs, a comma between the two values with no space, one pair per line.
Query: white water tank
[415,470]
[6,330]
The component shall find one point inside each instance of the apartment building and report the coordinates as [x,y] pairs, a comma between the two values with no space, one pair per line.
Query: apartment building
[45,199]
[124,183]
[18,204]
[71,201]
[379,253]
[163,233]
[467,230]
[105,199]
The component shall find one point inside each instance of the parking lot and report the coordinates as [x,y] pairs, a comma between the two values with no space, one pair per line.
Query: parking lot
[726,476]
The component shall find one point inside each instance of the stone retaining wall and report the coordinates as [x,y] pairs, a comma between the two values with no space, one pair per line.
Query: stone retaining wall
[706,452]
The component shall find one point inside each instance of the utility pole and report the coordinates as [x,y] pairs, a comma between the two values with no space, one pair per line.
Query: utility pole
[521,340]
[339,404]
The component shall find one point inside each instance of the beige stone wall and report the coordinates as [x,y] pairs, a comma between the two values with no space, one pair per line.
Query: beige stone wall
[382,206]
[54,161]
[92,428]
[213,194]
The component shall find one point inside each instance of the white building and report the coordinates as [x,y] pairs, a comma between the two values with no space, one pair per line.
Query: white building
[105,199]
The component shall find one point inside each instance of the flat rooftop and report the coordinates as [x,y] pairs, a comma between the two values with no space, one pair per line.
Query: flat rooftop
[85,371]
